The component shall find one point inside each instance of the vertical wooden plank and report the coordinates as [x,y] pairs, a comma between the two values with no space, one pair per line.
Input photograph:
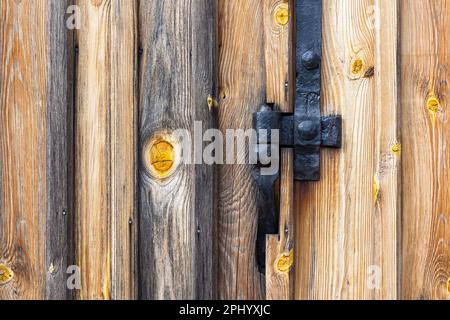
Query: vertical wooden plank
[23,101]
[204,66]
[92,189]
[176,205]
[347,223]
[280,248]
[387,184]
[425,56]
[105,142]
[242,91]
[59,156]
[124,144]
[278,22]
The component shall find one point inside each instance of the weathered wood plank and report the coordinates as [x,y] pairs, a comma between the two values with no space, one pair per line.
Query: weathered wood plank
[388,190]
[23,102]
[242,91]
[59,155]
[105,142]
[278,22]
[124,144]
[176,206]
[347,223]
[425,67]
[204,67]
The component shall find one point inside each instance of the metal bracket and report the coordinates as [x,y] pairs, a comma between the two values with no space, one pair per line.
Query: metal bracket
[305,134]
[306,131]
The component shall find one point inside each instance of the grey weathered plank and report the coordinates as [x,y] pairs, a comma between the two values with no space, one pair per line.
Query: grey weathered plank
[176,212]
[123,139]
[59,142]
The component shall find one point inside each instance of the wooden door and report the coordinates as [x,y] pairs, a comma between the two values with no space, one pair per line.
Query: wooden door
[91,181]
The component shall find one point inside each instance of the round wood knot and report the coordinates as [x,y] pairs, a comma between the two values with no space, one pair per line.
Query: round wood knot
[357,66]
[281,14]
[285,262]
[160,155]
[433,104]
[6,274]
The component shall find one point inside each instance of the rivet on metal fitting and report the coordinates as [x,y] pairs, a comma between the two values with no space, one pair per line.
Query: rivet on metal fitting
[308,130]
[310,60]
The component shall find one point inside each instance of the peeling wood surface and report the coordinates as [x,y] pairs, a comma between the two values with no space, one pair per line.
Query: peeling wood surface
[347,223]
[425,56]
[177,81]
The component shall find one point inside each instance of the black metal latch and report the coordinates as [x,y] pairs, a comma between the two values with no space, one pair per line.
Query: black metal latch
[306,131]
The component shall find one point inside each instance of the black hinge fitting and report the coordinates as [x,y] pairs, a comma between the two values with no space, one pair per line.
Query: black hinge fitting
[306,131]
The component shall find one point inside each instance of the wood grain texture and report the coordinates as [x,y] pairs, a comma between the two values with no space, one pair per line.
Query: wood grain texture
[425,69]
[347,223]
[242,91]
[124,144]
[177,79]
[59,156]
[105,144]
[278,23]
[23,102]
